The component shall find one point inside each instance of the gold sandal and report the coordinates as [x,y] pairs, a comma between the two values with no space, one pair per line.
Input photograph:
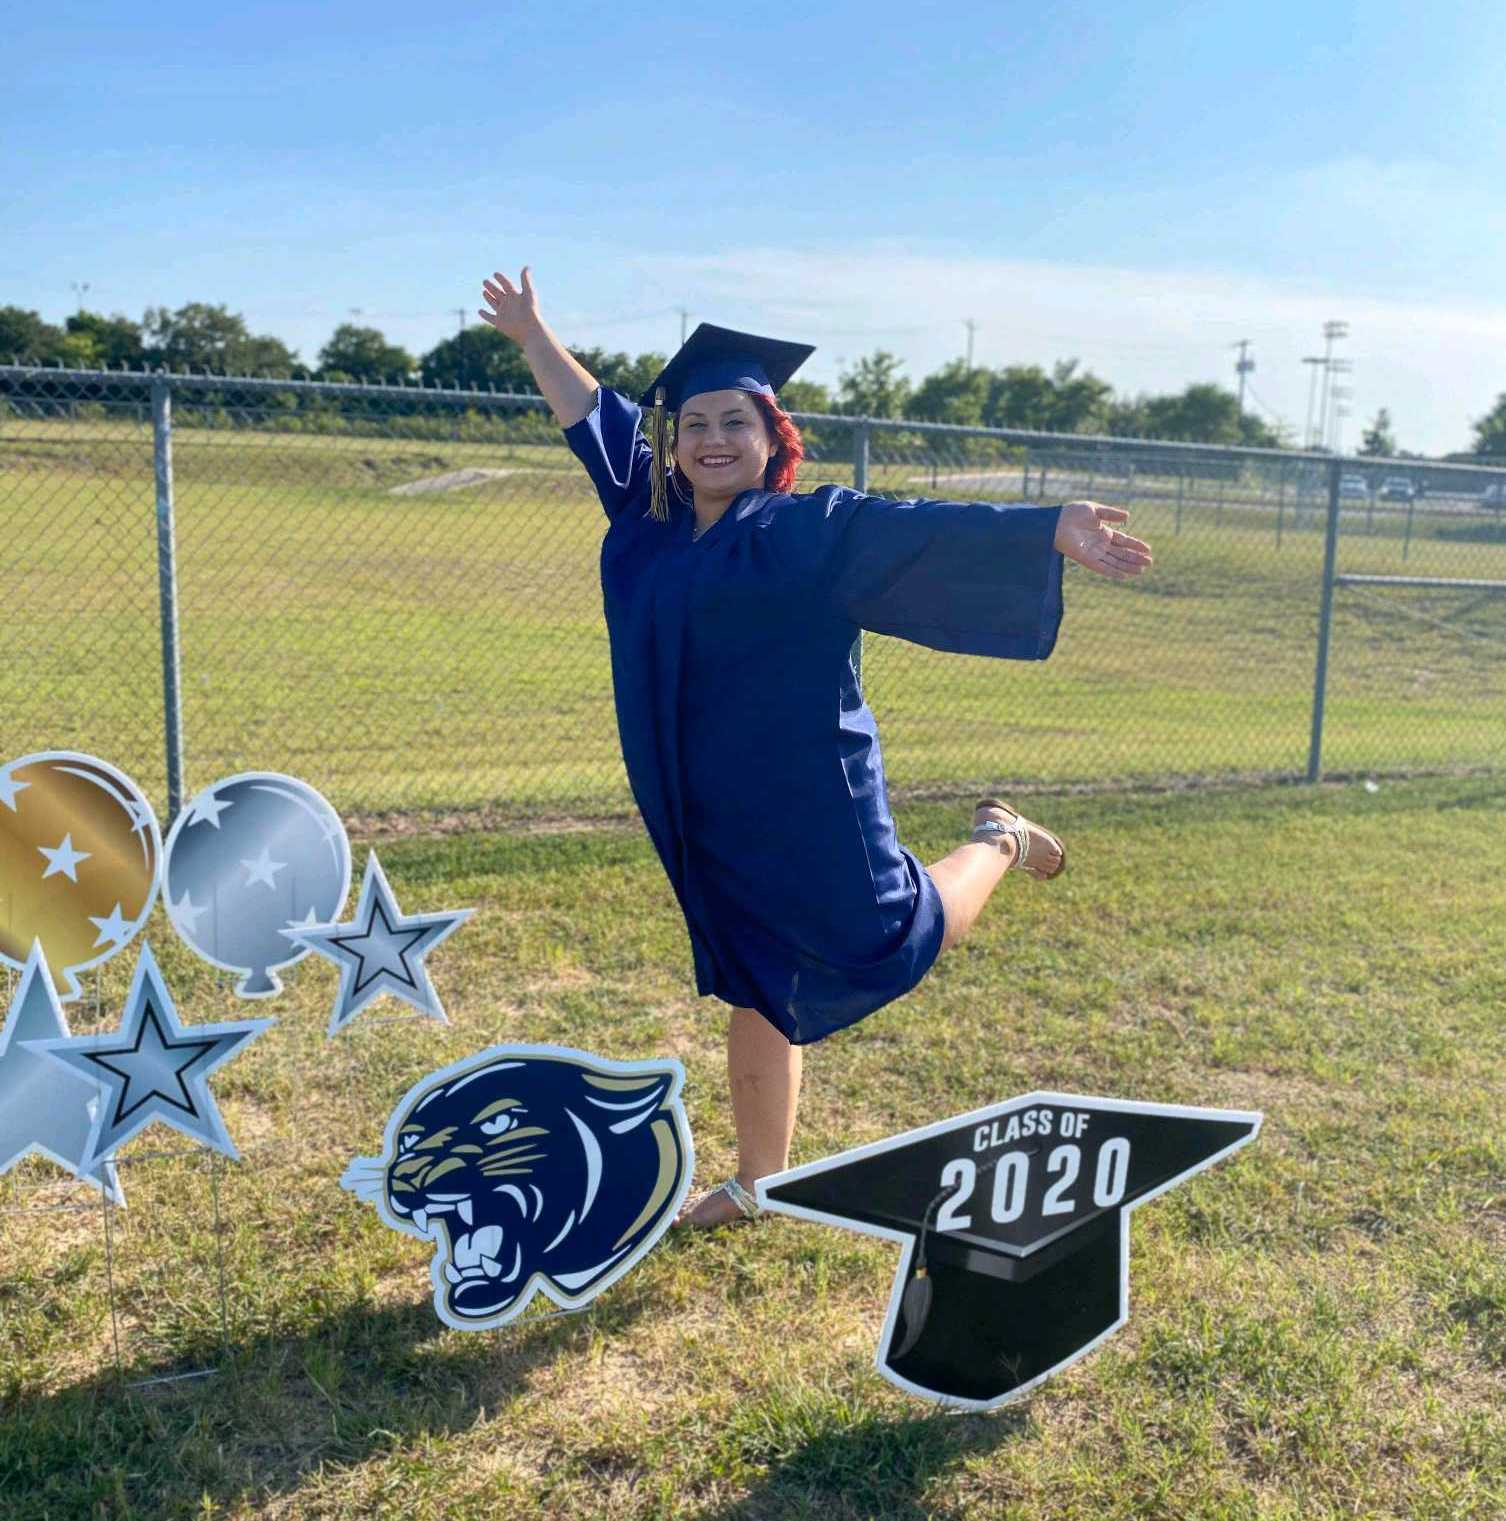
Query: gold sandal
[990,829]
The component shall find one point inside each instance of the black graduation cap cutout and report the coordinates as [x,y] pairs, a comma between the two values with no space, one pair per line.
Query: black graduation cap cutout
[1015,1225]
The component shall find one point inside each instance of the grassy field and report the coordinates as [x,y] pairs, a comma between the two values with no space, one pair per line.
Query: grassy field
[1318,1324]
[446,651]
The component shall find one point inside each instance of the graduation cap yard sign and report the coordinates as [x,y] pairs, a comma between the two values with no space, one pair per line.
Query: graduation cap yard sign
[1015,1225]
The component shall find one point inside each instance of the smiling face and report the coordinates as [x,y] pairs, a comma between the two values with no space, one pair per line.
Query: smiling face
[722,424]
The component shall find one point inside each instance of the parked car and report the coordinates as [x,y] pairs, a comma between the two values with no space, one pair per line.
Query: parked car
[1494,495]
[1397,488]
[1354,485]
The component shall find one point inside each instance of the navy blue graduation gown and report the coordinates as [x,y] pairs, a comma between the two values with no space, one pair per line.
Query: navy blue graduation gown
[751,753]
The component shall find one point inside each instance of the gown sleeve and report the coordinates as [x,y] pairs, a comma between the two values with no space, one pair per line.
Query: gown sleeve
[973,578]
[616,455]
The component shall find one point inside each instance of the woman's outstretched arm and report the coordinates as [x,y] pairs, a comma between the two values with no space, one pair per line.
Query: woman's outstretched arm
[568,387]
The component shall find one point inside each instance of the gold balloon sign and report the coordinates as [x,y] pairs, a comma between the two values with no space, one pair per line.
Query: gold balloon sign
[79,856]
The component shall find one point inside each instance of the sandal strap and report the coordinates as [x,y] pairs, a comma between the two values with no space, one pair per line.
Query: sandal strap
[745,1201]
[1016,829]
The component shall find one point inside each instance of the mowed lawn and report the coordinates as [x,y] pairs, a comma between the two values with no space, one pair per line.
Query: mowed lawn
[1318,1324]
[446,651]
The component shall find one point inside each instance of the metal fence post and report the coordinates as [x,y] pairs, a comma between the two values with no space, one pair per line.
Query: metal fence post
[859,483]
[167,583]
[1325,618]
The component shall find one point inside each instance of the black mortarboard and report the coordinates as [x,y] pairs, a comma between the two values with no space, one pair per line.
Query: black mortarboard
[1015,1223]
[713,359]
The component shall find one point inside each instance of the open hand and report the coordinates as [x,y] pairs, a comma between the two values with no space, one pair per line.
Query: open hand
[514,313]
[1083,534]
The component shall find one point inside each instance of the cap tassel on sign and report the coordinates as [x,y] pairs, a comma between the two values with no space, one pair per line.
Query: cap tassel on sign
[658,504]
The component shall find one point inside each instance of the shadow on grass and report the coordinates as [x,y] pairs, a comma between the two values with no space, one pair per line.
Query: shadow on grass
[361,1382]
[875,1466]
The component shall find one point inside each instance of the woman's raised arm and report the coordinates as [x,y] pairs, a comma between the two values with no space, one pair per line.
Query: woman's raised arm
[568,387]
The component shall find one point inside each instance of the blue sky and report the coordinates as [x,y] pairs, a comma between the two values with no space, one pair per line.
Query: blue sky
[1139,187]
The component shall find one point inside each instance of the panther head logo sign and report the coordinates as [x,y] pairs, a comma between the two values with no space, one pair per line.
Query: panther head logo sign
[531,1167]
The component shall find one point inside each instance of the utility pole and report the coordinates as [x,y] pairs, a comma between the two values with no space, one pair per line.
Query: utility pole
[1331,330]
[970,324]
[78,291]
[1244,366]
[460,312]
[684,315]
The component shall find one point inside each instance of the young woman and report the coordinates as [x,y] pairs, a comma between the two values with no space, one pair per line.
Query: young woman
[732,606]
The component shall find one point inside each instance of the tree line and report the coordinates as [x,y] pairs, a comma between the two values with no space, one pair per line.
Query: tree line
[206,338]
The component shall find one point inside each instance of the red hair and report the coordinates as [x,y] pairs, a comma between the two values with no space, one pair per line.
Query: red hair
[788,448]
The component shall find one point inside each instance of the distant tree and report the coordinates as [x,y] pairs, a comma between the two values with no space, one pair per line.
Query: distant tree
[362,353]
[204,337]
[874,388]
[1125,417]
[1490,430]
[952,394]
[112,341]
[1256,433]
[805,396]
[1378,438]
[1203,414]
[1021,396]
[622,372]
[1077,402]
[25,336]
[477,356]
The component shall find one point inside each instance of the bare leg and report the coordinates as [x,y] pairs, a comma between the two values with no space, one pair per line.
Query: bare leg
[763,1071]
[967,876]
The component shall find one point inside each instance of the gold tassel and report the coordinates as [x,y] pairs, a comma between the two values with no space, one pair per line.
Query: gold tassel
[658,504]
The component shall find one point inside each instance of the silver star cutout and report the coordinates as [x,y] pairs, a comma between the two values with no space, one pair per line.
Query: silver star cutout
[186,914]
[113,927]
[63,858]
[381,950]
[9,787]
[261,868]
[153,1067]
[44,1109]
[206,808]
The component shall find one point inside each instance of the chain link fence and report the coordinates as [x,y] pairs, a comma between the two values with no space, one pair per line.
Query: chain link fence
[392,593]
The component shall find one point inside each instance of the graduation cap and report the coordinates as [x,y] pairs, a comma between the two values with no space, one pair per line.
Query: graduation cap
[1015,1225]
[713,359]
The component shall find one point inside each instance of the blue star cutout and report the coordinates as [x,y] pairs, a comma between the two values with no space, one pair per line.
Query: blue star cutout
[153,1068]
[43,1109]
[381,950]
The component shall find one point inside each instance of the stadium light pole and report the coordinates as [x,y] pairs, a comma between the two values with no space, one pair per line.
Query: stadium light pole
[1312,391]
[1331,330]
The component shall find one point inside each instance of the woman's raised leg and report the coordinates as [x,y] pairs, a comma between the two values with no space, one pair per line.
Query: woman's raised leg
[967,876]
[763,1072]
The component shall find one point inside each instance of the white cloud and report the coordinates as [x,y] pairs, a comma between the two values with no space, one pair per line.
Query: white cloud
[1434,364]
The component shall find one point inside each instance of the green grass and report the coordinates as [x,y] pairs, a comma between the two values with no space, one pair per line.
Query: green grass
[1318,1324]
[444,652]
